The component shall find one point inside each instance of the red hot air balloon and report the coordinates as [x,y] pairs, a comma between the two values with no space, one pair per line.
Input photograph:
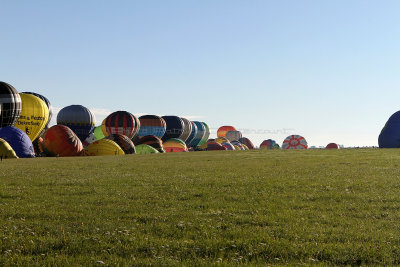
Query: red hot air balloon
[122,122]
[62,141]
[224,129]
[332,146]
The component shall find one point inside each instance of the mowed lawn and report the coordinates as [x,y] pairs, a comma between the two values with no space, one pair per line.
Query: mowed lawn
[203,208]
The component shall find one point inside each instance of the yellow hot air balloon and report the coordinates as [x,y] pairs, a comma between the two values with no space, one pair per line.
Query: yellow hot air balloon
[103,147]
[103,128]
[34,115]
[6,151]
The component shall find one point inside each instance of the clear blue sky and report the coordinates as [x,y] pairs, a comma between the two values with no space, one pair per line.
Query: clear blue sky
[328,70]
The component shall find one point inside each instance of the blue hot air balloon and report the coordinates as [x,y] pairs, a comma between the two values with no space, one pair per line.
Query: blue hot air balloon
[18,140]
[201,130]
[79,119]
[390,134]
[193,133]
[175,127]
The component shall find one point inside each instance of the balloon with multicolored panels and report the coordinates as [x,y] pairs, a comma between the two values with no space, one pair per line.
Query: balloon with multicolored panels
[78,118]
[214,146]
[124,142]
[34,115]
[246,141]
[103,147]
[152,141]
[221,132]
[294,142]
[151,125]
[175,127]
[60,140]
[228,146]
[10,105]
[268,144]
[174,145]
[18,140]
[6,151]
[122,122]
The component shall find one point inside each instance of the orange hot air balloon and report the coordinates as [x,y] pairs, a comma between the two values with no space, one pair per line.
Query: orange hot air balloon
[62,141]
[175,145]
[224,129]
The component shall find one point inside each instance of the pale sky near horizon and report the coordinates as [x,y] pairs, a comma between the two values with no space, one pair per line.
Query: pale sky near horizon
[327,70]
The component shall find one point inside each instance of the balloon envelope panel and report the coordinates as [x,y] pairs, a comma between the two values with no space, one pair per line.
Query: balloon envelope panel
[34,115]
[122,122]
[62,141]
[224,129]
[19,141]
[103,147]
[124,142]
[78,118]
[6,151]
[174,127]
[151,125]
[10,102]
[294,142]
[228,146]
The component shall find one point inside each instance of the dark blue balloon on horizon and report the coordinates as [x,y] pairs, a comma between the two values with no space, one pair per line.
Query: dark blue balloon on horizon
[174,127]
[78,118]
[390,134]
[19,141]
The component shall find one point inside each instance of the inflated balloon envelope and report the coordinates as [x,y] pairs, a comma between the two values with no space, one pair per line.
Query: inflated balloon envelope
[6,151]
[10,102]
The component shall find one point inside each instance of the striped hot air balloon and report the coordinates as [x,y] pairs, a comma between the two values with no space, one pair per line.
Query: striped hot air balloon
[187,129]
[122,122]
[294,142]
[152,141]
[124,142]
[103,147]
[192,135]
[151,125]
[10,105]
[175,145]
[246,141]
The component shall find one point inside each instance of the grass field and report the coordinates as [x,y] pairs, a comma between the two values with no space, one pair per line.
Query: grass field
[203,208]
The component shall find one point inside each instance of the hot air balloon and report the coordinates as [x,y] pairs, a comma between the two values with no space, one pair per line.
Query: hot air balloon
[152,141]
[6,151]
[78,118]
[94,136]
[233,135]
[224,129]
[390,134]
[151,125]
[193,133]
[174,127]
[267,144]
[187,129]
[228,146]
[213,146]
[246,141]
[48,104]
[145,149]
[59,140]
[332,146]
[124,142]
[122,122]
[38,146]
[200,133]
[103,147]
[175,145]
[34,115]
[238,145]
[10,103]
[294,142]
[206,134]
[18,140]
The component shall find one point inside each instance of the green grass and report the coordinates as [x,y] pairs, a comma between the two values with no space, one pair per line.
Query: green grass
[203,208]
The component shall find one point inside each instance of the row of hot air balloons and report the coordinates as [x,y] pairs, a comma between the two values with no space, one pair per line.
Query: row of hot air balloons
[25,132]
